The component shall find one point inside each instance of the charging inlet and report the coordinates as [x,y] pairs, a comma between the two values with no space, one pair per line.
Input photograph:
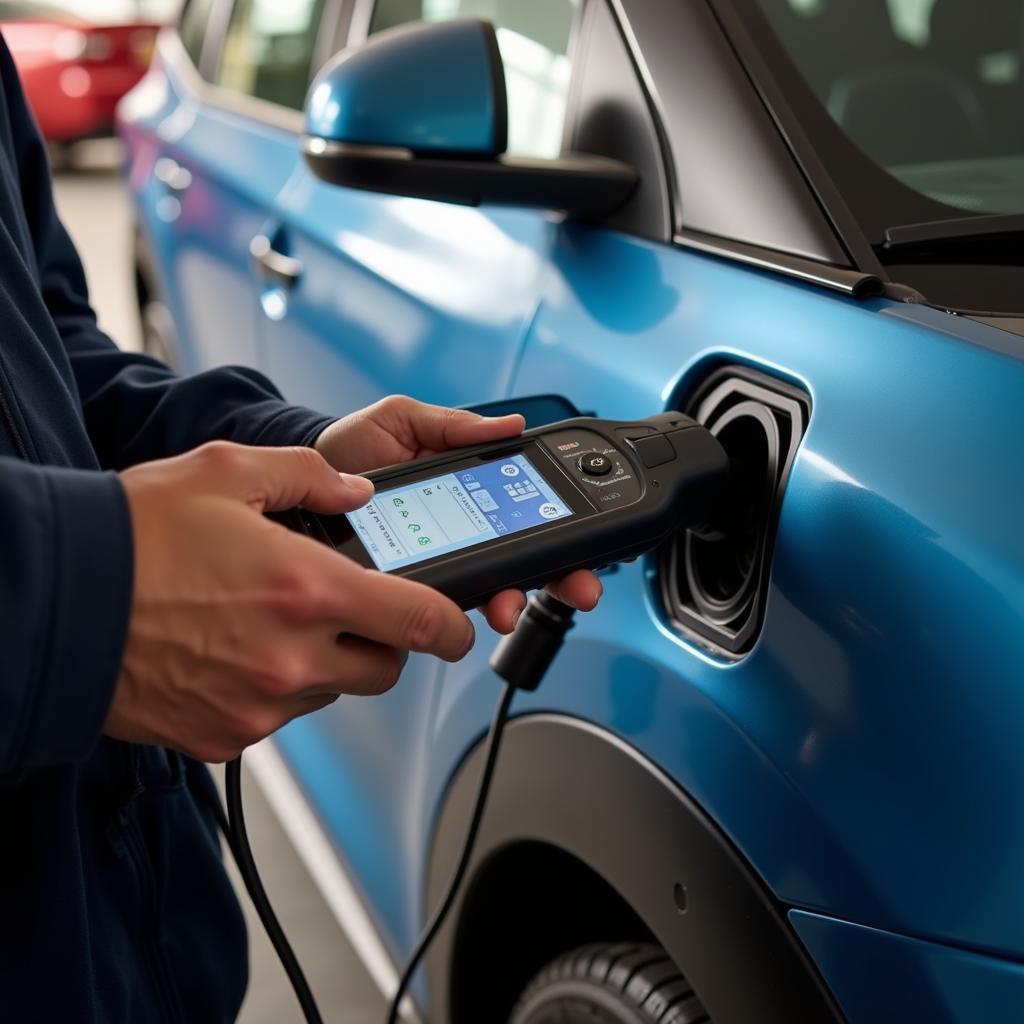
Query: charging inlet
[714,580]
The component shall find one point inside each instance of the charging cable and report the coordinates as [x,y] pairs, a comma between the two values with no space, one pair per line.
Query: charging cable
[522,659]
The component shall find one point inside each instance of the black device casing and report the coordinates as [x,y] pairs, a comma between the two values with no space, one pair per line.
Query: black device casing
[671,474]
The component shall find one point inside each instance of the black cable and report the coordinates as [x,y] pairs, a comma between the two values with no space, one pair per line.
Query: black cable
[492,745]
[238,840]
[522,659]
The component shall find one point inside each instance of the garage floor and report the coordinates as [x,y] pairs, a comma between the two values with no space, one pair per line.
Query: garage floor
[97,214]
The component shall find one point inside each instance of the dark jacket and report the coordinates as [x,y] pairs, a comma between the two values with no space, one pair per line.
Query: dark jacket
[114,905]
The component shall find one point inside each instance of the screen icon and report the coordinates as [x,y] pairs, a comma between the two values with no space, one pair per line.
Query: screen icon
[549,511]
[510,469]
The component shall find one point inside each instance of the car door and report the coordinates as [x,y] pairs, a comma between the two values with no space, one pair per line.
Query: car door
[209,160]
[405,295]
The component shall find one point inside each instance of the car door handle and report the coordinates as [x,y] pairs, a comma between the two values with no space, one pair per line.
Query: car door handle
[172,175]
[284,270]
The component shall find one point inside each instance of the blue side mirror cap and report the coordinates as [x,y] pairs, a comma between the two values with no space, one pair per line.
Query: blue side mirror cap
[432,89]
[421,111]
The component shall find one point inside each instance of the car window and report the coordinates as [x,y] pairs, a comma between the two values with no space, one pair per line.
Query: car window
[533,36]
[268,50]
[192,29]
[928,90]
[22,10]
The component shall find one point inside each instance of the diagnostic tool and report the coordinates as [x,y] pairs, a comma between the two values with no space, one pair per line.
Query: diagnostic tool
[581,493]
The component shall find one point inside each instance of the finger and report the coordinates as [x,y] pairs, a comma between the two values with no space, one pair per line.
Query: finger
[580,590]
[503,610]
[354,665]
[460,427]
[271,479]
[307,705]
[400,613]
[438,428]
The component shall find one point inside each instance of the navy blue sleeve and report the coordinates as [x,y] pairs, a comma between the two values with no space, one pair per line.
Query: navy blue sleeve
[136,408]
[65,543]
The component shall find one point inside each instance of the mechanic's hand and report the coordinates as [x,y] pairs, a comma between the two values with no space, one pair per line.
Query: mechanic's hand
[238,624]
[397,429]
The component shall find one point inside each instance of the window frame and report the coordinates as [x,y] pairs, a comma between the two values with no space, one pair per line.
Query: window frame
[334,22]
[362,18]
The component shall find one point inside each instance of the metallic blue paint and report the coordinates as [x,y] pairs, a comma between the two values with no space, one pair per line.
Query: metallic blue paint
[200,236]
[426,87]
[881,978]
[866,756]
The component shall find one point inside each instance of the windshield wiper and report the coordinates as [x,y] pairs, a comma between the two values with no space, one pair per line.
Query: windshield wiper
[952,231]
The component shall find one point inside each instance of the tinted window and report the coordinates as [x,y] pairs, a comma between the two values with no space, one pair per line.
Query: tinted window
[929,90]
[268,50]
[194,20]
[533,36]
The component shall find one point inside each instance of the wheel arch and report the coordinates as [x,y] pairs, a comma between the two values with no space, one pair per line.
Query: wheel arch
[573,799]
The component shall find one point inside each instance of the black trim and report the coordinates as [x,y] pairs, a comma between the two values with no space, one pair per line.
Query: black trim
[579,185]
[825,275]
[643,77]
[955,229]
[611,116]
[499,94]
[725,613]
[579,789]
[735,26]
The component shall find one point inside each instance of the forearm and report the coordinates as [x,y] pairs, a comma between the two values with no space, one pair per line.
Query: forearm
[65,600]
[137,410]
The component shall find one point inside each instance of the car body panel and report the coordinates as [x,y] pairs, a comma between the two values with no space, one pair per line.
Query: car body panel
[909,980]
[379,311]
[817,754]
[865,756]
[202,231]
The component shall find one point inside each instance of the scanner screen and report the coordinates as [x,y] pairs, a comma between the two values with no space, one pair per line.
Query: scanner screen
[411,523]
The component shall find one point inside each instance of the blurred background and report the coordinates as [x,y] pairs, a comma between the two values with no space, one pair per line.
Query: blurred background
[76,60]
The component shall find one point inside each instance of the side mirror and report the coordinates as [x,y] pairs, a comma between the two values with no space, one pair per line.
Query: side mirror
[420,110]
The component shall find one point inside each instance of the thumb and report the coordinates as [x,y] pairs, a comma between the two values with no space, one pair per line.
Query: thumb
[275,479]
[457,428]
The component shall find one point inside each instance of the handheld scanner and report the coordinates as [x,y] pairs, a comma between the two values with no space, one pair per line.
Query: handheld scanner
[578,494]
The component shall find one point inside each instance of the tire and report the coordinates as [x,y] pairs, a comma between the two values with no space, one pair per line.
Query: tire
[625,983]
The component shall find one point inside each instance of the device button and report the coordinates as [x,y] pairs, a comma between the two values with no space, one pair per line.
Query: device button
[654,450]
[595,464]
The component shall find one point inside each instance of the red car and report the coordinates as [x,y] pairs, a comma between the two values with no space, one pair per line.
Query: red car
[74,71]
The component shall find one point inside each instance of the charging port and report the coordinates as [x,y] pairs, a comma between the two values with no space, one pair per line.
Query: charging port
[714,582]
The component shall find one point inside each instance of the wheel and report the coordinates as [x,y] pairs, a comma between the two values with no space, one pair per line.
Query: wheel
[625,983]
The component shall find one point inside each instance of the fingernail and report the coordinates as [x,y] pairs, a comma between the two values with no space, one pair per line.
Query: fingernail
[469,645]
[359,484]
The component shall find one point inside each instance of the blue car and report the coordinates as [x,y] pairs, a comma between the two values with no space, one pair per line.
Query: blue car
[777,774]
